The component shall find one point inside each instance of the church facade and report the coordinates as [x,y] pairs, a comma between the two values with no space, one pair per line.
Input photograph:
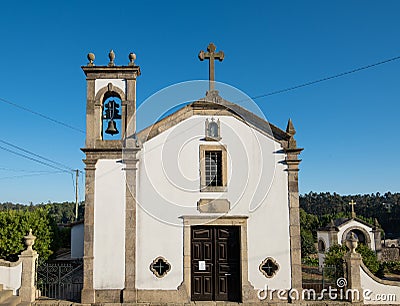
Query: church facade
[200,206]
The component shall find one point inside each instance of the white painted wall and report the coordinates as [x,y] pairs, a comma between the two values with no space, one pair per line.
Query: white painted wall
[77,240]
[10,277]
[379,293]
[109,225]
[168,187]
[356,224]
[100,83]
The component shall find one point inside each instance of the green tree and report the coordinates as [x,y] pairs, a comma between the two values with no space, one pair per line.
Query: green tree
[369,258]
[308,227]
[334,257]
[309,222]
[307,243]
[15,224]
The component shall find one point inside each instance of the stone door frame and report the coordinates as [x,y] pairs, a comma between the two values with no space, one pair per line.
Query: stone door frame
[241,221]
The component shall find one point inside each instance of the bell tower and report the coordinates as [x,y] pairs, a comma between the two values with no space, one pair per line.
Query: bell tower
[110,181]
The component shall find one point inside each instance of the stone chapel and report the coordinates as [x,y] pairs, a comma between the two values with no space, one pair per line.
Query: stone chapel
[338,230]
[203,205]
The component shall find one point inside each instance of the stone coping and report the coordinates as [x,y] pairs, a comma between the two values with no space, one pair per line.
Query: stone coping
[377,279]
[5,263]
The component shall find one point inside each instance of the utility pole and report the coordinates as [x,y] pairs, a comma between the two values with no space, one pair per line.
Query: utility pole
[76,194]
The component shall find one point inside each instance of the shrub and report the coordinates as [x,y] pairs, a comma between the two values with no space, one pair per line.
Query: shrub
[15,224]
[334,257]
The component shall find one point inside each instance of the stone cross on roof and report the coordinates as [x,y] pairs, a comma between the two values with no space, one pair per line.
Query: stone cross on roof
[352,203]
[211,55]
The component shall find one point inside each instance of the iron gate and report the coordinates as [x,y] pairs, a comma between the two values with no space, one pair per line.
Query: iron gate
[62,281]
[318,280]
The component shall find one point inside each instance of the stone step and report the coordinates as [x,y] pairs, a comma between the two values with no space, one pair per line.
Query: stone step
[11,301]
[5,294]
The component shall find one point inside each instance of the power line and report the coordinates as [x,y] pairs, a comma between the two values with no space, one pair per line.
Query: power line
[324,79]
[33,159]
[41,160]
[29,175]
[41,115]
[22,170]
[36,155]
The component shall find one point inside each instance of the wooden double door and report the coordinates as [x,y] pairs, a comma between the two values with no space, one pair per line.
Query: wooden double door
[215,263]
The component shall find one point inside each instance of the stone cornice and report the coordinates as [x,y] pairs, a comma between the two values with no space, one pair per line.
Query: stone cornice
[114,72]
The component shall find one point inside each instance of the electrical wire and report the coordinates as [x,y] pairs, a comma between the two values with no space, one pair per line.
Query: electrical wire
[41,115]
[30,175]
[323,79]
[33,159]
[28,171]
[36,155]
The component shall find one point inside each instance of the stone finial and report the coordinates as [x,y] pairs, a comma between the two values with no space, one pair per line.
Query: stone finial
[292,144]
[91,58]
[29,240]
[352,242]
[132,58]
[376,223]
[331,225]
[290,128]
[111,56]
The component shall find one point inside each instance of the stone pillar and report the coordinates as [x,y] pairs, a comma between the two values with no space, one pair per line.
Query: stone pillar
[27,291]
[377,239]
[353,262]
[292,162]
[88,293]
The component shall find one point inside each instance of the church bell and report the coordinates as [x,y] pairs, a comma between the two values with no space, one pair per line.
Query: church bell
[112,128]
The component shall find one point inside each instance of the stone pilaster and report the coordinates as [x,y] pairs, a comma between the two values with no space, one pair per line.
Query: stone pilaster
[27,291]
[353,262]
[88,293]
[378,242]
[90,113]
[377,239]
[333,234]
[292,162]
[130,160]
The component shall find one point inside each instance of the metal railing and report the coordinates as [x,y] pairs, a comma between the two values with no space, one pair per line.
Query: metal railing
[63,281]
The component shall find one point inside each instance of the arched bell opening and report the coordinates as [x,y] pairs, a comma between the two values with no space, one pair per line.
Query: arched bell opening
[111,117]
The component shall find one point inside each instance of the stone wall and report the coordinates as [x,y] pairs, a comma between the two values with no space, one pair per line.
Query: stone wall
[390,254]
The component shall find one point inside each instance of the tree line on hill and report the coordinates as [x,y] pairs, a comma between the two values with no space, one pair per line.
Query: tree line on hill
[318,209]
[384,207]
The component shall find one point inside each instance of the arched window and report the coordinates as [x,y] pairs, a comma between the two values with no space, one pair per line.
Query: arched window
[321,246]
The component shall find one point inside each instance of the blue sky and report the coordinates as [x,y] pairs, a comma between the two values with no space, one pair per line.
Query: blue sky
[348,126]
